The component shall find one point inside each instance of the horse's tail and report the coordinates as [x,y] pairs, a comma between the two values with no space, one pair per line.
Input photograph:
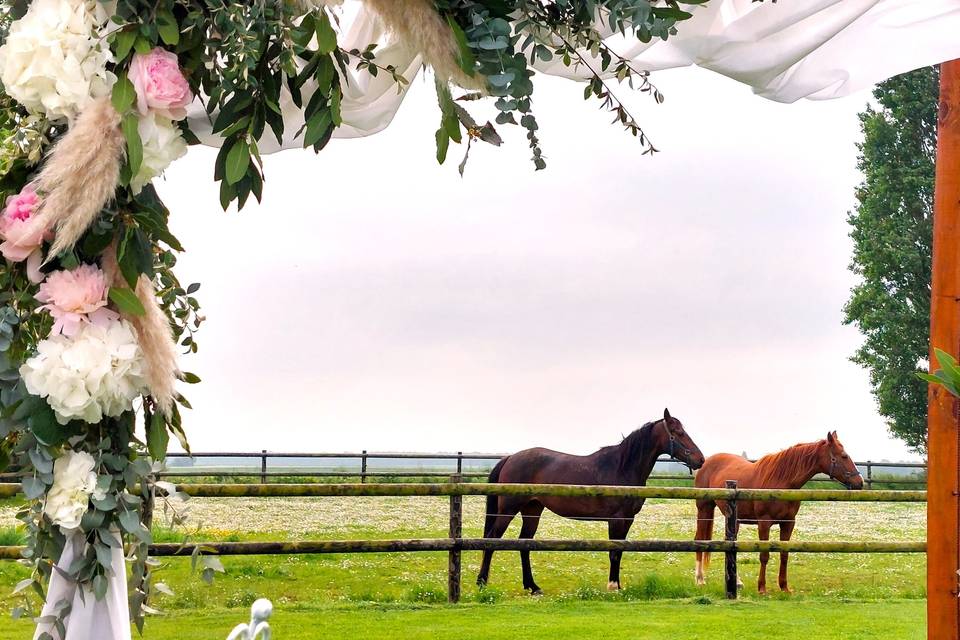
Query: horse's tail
[493,501]
[705,510]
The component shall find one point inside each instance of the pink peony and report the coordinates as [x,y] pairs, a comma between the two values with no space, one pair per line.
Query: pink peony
[21,241]
[160,84]
[76,296]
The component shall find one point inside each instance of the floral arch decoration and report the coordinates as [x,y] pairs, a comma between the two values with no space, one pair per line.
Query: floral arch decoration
[98,99]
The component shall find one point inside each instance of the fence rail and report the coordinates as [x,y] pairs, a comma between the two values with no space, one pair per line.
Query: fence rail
[260,467]
[455,544]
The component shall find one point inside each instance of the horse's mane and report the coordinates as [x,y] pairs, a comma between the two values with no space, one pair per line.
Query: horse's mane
[632,446]
[781,467]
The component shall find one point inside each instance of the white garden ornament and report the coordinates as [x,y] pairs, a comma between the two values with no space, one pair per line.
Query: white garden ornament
[98,100]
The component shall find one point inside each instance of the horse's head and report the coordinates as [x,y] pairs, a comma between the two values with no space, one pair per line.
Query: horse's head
[835,462]
[676,443]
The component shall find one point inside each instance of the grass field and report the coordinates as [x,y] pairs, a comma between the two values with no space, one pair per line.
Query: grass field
[381,596]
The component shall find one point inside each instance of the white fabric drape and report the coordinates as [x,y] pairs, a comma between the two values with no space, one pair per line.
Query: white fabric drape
[89,619]
[785,51]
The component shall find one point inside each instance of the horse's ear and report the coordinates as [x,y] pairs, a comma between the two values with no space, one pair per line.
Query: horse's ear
[666,414]
[831,436]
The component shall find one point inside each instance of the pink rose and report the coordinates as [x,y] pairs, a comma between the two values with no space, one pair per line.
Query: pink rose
[21,239]
[76,296]
[160,84]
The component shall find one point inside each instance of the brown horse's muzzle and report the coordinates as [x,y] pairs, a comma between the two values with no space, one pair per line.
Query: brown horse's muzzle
[696,461]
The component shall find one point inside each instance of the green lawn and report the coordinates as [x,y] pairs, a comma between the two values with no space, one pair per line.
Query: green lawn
[677,620]
[382,596]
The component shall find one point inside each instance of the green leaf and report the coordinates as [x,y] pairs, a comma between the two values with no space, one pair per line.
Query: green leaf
[168,28]
[123,43]
[326,35]
[238,160]
[317,128]
[335,114]
[465,58]
[948,363]
[123,95]
[33,488]
[99,584]
[129,521]
[131,133]
[127,301]
[45,428]
[157,437]
[443,145]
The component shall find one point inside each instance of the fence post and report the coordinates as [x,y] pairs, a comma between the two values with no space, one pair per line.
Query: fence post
[459,462]
[869,475]
[730,534]
[263,466]
[456,532]
[363,466]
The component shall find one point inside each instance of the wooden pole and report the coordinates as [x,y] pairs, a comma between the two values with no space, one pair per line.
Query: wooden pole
[730,534]
[943,482]
[453,559]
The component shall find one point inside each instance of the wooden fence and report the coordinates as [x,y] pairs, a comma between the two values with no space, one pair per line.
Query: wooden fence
[455,544]
[261,467]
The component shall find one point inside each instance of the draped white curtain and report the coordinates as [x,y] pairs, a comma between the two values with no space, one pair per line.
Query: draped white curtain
[785,51]
[89,619]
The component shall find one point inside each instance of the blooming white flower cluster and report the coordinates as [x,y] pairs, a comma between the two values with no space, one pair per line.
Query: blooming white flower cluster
[53,61]
[162,144]
[97,372]
[74,481]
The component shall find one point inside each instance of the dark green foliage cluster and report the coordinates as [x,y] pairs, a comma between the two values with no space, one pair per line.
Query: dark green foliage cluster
[501,39]
[892,232]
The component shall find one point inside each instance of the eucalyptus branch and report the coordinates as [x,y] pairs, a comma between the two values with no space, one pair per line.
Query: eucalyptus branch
[598,87]
[366,61]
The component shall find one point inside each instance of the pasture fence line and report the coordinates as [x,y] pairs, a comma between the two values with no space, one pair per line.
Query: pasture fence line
[261,466]
[455,544]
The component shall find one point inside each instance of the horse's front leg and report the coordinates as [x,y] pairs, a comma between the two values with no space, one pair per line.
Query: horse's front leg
[786,530]
[763,532]
[618,529]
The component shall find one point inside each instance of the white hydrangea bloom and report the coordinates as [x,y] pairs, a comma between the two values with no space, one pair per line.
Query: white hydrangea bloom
[95,373]
[54,61]
[162,144]
[74,480]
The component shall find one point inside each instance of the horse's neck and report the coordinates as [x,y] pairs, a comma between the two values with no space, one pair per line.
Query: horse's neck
[640,470]
[793,468]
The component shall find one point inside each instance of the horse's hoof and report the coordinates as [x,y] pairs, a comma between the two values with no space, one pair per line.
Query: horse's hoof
[701,582]
[613,586]
[786,590]
[536,592]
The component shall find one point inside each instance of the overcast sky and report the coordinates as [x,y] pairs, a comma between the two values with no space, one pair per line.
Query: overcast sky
[378,301]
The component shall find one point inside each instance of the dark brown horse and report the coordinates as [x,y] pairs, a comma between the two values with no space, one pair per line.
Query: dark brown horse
[628,463]
[789,469]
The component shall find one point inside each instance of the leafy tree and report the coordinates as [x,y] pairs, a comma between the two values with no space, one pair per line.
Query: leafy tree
[892,231]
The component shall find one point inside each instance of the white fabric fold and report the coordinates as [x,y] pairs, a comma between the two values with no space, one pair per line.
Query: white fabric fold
[89,619]
[785,51]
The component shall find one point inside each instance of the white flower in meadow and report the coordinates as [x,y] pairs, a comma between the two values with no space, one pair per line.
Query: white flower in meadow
[54,61]
[97,372]
[74,480]
[162,144]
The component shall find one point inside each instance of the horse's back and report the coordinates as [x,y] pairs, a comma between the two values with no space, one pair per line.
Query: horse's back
[546,466]
[720,467]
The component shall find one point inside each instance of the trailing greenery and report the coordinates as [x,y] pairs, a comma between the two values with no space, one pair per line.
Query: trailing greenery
[892,232]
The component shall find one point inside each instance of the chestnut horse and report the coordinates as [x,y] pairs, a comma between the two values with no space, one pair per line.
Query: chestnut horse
[789,469]
[628,463]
